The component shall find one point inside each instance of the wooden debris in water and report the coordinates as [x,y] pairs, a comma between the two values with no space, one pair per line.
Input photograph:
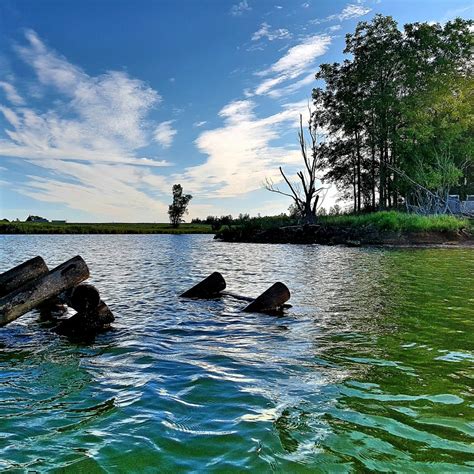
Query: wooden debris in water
[34,293]
[270,300]
[210,287]
[31,286]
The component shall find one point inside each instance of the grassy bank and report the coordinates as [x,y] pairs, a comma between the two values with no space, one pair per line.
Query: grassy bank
[388,227]
[101,228]
[391,221]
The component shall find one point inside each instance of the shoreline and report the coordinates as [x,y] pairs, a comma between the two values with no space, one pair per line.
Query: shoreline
[349,236]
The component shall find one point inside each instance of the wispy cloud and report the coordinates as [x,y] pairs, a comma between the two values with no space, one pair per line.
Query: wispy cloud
[86,140]
[11,93]
[298,60]
[200,123]
[240,153]
[164,133]
[350,11]
[240,8]
[265,31]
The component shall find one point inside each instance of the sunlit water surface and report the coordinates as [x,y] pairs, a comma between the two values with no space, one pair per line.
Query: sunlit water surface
[370,370]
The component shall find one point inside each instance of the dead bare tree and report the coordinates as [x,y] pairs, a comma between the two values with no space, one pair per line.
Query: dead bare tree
[305,194]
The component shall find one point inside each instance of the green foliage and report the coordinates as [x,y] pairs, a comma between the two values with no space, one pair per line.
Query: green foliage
[402,102]
[179,206]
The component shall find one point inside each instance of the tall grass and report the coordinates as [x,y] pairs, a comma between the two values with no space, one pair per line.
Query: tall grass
[392,221]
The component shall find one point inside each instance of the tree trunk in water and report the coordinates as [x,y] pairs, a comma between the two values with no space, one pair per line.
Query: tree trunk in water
[85,326]
[270,300]
[32,294]
[210,287]
[15,277]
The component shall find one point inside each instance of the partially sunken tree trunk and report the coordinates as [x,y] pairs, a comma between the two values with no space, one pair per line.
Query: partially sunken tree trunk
[85,325]
[36,292]
[21,274]
[270,300]
[207,288]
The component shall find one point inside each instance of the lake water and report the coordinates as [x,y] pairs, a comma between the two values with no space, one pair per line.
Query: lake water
[370,370]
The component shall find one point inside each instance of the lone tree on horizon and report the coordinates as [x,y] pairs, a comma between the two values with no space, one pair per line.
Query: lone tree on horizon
[305,200]
[179,206]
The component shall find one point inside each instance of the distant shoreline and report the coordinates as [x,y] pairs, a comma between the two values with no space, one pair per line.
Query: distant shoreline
[22,228]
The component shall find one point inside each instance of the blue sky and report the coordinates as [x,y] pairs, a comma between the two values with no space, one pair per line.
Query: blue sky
[104,105]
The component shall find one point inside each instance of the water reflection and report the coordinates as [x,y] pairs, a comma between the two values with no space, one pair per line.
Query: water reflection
[370,370]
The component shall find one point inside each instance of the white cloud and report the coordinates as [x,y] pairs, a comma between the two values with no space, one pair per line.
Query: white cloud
[86,140]
[240,153]
[108,192]
[200,123]
[298,60]
[11,93]
[240,8]
[165,133]
[293,87]
[265,31]
[350,11]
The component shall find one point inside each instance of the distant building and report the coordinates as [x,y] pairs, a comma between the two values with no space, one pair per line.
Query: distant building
[36,219]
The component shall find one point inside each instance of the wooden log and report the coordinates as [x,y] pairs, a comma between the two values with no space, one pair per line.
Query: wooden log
[84,326]
[84,297]
[246,298]
[21,274]
[210,287]
[236,296]
[270,300]
[32,294]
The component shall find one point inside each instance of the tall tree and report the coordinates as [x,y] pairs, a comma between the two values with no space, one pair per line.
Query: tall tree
[179,206]
[402,102]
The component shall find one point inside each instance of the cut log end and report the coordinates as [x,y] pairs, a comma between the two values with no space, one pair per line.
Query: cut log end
[210,287]
[270,300]
[84,297]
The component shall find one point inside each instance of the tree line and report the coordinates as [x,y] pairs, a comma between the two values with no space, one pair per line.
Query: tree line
[398,115]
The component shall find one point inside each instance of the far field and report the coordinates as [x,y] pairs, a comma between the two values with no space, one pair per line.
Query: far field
[102,228]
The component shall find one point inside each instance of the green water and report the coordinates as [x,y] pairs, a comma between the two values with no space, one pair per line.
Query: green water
[371,370]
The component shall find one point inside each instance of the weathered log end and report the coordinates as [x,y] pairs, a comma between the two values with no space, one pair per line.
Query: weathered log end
[86,325]
[21,274]
[84,297]
[272,299]
[210,287]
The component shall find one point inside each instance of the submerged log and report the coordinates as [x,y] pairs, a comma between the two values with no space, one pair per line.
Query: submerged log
[236,296]
[85,325]
[84,297]
[270,300]
[207,288]
[32,294]
[27,271]
[51,309]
